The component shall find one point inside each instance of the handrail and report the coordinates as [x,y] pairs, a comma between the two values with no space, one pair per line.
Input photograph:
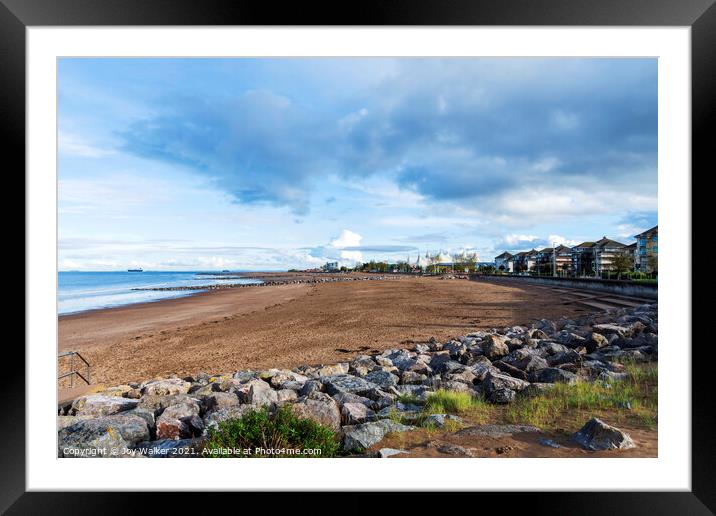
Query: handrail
[72,371]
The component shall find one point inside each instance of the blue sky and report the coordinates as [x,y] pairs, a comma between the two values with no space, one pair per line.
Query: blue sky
[185,164]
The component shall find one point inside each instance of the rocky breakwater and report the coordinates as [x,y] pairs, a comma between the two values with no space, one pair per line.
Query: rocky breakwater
[359,400]
[269,283]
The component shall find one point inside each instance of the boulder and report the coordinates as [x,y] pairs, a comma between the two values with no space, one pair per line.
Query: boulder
[347,383]
[495,347]
[310,386]
[281,379]
[355,413]
[108,436]
[553,375]
[257,392]
[612,329]
[166,387]
[332,370]
[510,369]
[439,420]
[285,395]
[412,378]
[218,400]
[169,448]
[502,396]
[319,407]
[382,379]
[498,381]
[346,397]
[98,405]
[356,437]
[384,453]
[595,341]
[179,421]
[597,435]
[212,419]
[157,403]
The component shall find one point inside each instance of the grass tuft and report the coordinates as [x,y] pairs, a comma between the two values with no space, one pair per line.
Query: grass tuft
[259,430]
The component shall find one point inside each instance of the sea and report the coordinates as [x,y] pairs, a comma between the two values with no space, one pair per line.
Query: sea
[80,291]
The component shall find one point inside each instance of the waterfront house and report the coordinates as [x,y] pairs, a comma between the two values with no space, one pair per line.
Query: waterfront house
[605,250]
[555,260]
[583,259]
[504,262]
[647,250]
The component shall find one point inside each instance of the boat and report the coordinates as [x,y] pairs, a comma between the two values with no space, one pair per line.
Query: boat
[135,270]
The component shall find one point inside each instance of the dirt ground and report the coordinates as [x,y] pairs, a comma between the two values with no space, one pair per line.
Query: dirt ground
[461,444]
[291,325]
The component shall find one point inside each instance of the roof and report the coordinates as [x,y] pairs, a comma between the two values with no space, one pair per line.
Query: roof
[547,250]
[563,248]
[608,242]
[631,246]
[503,255]
[585,244]
[655,228]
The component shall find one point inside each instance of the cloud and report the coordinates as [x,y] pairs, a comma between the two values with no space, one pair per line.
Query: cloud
[71,144]
[446,130]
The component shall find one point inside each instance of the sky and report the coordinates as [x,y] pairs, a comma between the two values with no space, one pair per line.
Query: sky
[271,164]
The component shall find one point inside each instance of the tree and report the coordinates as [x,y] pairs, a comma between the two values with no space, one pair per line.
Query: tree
[622,263]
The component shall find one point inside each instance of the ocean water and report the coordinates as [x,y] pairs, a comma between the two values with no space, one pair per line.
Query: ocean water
[80,291]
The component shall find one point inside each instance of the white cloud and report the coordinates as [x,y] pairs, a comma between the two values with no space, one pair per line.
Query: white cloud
[74,145]
[347,238]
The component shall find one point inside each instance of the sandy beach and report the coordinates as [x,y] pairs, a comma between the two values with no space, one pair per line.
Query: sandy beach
[291,325]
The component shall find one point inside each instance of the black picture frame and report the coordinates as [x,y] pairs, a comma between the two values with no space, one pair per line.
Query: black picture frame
[700,15]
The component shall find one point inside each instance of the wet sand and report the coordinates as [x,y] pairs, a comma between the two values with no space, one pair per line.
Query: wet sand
[291,325]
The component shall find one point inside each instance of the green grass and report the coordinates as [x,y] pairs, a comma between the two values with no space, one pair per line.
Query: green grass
[633,398]
[280,431]
[453,402]
[409,399]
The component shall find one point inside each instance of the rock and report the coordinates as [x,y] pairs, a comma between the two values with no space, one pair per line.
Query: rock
[531,363]
[346,397]
[566,357]
[537,334]
[257,392]
[319,407]
[439,420]
[245,376]
[332,370]
[454,449]
[108,436]
[166,387]
[367,434]
[412,378]
[355,413]
[179,421]
[212,419]
[283,378]
[384,453]
[545,326]
[121,391]
[595,341]
[553,375]
[285,395]
[498,381]
[382,379]
[510,369]
[157,403]
[612,329]
[438,360]
[169,448]
[495,347]
[98,405]
[310,386]
[218,400]
[65,421]
[597,435]
[502,396]
[549,442]
[347,383]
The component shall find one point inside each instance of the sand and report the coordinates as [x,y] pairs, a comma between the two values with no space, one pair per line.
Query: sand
[291,325]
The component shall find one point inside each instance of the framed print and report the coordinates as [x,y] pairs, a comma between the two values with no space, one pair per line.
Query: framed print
[431,236]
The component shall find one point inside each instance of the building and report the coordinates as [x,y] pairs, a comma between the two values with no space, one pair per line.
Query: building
[605,250]
[504,262]
[646,257]
[554,261]
[583,259]
[525,261]
[330,267]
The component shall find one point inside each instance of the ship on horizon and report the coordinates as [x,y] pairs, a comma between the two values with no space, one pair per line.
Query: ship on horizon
[135,270]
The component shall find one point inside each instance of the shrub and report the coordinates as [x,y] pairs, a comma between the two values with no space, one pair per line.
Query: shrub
[259,430]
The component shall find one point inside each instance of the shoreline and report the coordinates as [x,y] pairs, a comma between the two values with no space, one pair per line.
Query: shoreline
[291,324]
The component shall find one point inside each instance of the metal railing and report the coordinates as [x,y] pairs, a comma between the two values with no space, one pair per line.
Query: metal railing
[73,372]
